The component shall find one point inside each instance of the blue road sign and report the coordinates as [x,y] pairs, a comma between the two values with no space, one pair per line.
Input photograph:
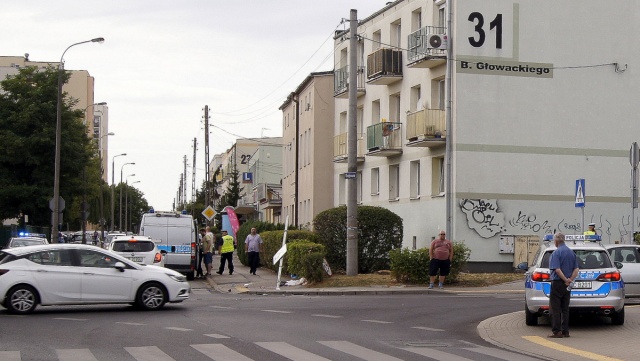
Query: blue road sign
[580,193]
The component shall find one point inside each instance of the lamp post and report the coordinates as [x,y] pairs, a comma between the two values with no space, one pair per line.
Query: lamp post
[56,174]
[120,209]
[113,186]
[126,193]
[89,106]
[127,221]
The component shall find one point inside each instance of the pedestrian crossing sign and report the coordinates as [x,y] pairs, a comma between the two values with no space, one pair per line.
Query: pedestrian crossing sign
[580,193]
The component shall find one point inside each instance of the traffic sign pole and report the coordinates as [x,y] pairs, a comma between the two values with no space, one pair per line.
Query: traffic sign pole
[634,158]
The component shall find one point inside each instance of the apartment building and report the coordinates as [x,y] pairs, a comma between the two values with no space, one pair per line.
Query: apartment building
[517,101]
[307,122]
[81,87]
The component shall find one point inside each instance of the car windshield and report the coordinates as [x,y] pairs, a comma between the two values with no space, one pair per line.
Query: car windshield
[587,259]
[26,242]
[136,246]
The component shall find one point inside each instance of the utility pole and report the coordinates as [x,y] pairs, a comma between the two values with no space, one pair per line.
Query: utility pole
[207,191]
[449,126]
[184,184]
[193,178]
[352,149]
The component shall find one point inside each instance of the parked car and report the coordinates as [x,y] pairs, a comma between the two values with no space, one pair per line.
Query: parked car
[139,249]
[598,289]
[69,274]
[26,240]
[629,256]
[110,237]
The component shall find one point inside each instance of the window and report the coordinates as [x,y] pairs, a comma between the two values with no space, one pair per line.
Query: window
[416,99]
[375,112]
[137,246]
[377,40]
[394,108]
[51,258]
[90,258]
[375,181]
[442,15]
[359,194]
[414,179]
[437,176]
[396,34]
[416,20]
[394,182]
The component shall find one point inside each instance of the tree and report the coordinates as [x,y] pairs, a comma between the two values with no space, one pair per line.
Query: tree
[27,146]
[231,196]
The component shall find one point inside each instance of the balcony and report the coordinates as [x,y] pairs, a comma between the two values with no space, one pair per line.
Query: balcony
[245,205]
[384,139]
[340,151]
[341,82]
[268,196]
[384,66]
[421,54]
[426,128]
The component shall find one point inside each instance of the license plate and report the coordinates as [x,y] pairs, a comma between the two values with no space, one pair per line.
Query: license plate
[581,285]
[136,259]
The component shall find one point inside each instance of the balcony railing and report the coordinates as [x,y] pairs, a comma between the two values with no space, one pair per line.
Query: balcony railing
[340,151]
[341,82]
[426,128]
[384,139]
[384,66]
[420,54]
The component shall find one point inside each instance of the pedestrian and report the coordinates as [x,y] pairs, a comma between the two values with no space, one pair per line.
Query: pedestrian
[207,249]
[95,237]
[200,255]
[591,231]
[563,262]
[226,252]
[440,258]
[253,247]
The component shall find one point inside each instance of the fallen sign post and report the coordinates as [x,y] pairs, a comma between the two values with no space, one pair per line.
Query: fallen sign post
[281,252]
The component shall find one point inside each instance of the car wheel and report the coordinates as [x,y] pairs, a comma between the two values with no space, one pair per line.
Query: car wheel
[151,296]
[618,317]
[21,299]
[190,276]
[531,318]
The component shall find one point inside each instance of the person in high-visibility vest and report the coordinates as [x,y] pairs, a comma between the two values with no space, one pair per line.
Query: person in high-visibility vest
[226,252]
[591,231]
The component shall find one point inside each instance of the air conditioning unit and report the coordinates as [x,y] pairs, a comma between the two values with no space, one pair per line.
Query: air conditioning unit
[436,41]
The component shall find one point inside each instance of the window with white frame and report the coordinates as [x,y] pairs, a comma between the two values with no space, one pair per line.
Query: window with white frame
[416,20]
[377,40]
[394,108]
[437,176]
[396,34]
[394,182]
[375,181]
[414,179]
[416,99]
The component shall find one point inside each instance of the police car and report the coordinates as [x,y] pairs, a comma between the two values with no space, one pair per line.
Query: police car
[27,239]
[598,289]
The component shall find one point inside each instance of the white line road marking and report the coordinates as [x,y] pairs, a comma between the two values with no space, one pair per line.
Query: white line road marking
[131,323]
[215,335]
[358,351]
[428,329]
[218,352]
[376,321]
[178,329]
[70,319]
[223,307]
[501,354]
[276,311]
[435,354]
[290,352]
[149,353]
[327,316]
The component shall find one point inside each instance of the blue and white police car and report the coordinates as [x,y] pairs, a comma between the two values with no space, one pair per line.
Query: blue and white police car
[598,289]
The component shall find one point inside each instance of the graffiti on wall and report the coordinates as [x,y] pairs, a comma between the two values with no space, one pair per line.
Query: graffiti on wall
[483,216]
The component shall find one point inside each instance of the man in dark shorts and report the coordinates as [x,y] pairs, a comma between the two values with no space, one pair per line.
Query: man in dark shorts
[441,256]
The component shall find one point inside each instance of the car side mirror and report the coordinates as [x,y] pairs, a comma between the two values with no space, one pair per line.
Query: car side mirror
[523,266]
[119,266]
[618,264]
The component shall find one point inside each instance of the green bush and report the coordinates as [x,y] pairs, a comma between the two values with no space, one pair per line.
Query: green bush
[409,266]
[304,259]
[379,231]
[272,242]
[245,229]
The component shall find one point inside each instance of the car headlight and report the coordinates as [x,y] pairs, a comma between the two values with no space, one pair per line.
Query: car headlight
[177,278]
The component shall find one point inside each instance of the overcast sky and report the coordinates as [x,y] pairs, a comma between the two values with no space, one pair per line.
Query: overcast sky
[163,61]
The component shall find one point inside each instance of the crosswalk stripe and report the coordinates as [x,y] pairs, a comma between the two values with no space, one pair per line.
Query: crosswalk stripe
[81,354]
[501,354]
[358,351]
[10,355]
[216,335]
[435,354]
[218,352]
[290,352]
[148,353]
[327,316]
[428,328]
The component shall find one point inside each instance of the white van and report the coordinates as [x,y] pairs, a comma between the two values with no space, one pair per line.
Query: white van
[178,234]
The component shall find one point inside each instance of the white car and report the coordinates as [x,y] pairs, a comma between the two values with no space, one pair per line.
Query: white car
[72,274]
[139,249]
[629,256]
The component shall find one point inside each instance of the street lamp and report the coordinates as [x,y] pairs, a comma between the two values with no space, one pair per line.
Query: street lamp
[120,209]
[126,192]
[113,186]
[56,173]
[127,206]
[89,106]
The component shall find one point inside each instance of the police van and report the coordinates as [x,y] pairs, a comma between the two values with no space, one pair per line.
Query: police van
[177,233]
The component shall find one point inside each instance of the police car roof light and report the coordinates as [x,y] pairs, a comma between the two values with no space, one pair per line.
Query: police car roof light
[151,210]
[184,211]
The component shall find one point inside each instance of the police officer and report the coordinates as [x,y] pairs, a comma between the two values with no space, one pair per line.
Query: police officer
[226,252]
[591,231]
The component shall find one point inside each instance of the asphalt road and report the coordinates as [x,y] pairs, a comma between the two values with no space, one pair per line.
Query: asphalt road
[214,326]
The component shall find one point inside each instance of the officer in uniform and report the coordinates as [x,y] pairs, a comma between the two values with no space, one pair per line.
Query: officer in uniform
[226,252]
[591,231]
